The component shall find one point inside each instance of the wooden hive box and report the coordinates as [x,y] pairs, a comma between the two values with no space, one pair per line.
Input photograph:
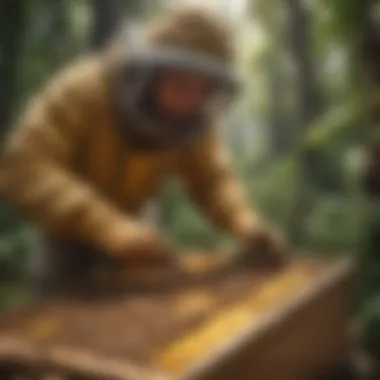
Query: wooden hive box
[285,326]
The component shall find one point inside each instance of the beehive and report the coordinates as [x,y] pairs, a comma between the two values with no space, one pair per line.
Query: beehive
[246,325]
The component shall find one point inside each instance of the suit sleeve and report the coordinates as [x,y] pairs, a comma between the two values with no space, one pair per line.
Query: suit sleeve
[210,181]
[36,172]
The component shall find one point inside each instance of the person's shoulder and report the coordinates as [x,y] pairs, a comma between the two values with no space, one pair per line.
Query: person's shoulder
[80,83]
[84,73]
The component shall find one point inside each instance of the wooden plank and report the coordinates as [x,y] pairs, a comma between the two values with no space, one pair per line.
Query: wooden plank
[292,341]
[235,319]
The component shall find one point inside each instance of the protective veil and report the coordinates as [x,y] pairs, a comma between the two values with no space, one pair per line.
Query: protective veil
[191,41]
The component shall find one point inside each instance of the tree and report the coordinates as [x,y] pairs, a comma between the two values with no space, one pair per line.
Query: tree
[299,24]
[359,28]
[12,28]
[279,79]
[107,18]
[301,47]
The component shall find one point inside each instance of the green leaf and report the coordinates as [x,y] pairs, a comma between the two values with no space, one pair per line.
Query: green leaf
[334,125]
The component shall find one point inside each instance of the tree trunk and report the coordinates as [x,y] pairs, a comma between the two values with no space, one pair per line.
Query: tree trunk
[59,32]
[369,60]
[12,23]
[107,19]
[369,53]
[309,100]
[280,134]
[300,45]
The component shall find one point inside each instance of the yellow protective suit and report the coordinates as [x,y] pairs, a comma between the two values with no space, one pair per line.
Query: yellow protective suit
[67,167]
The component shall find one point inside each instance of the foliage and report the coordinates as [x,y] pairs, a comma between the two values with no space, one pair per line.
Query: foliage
[345,15]
[185,225]
[370,319]
[15,241]
[55,32]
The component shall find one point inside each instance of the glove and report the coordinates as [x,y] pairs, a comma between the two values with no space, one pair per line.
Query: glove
[265,248]
[138,244]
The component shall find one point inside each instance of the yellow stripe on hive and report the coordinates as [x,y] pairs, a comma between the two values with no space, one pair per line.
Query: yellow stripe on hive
[186,350]
[207,337]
